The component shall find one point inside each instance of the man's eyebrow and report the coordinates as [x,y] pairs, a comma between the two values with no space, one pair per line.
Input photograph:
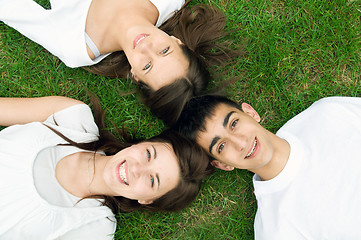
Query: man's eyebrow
[225,123]
[226,119]
[214,141]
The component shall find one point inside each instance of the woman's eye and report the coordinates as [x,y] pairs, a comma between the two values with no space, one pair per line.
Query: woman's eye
[149,156]
[165,50]
[147,66]
[152,181]
[234,123]
[220,148]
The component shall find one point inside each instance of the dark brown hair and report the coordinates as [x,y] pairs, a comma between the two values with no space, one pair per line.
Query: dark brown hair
[196,113]
[201,28]
[192,160]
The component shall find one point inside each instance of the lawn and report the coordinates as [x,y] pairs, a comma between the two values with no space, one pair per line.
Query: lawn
[297,53]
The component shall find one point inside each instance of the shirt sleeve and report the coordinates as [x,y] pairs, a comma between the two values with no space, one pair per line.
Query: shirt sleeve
[60,29]
[29,18]
[166,9]
[78,118]
[103,229]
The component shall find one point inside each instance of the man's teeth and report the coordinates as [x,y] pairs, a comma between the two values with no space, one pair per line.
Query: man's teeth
[253,148]
[122,173]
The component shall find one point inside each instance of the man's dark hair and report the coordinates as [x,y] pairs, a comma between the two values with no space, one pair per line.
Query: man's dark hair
[196,111]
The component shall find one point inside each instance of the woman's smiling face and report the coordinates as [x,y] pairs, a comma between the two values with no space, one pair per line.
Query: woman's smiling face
[143,172]
[156,58]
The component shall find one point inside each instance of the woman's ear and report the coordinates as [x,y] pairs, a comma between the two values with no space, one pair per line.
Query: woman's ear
[248,109]
[220,165]
[177,40]
[133,76]
[145,202]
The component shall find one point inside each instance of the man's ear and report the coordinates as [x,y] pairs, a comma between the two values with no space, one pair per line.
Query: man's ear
[145,202]
[248,109]
[220,165]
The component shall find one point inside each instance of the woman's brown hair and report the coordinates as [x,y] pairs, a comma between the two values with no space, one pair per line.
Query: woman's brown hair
[201,28]
[193,162]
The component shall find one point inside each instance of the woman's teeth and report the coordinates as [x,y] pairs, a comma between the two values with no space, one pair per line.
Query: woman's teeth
[140,39]
[253,149]
[122,173]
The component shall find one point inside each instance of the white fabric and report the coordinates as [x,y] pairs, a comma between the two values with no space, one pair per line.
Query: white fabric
[92,46]
[61,29]
[318,193]
[27,209]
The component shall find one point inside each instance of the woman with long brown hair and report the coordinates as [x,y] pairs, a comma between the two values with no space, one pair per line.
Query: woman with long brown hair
[169,64]
[62,176]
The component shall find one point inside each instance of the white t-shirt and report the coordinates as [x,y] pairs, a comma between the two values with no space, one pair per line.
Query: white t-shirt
[318,193]
[61,30]
[33,205]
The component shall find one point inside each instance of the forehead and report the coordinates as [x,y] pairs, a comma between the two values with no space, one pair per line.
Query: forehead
[220,116]
[165,150]
[165,154]
[168,167]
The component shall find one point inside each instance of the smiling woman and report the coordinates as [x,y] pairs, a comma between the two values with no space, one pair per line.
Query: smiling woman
[121,38]
[146,172]
[72,176]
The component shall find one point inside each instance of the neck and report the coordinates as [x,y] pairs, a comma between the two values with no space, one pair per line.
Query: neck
[81,174]
[97,185]
[281,153]
[109,21]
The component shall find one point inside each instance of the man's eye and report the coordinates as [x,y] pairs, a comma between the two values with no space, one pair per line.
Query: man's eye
[220,148]
[234,123]
[152,181]
[165,50]
[147,66]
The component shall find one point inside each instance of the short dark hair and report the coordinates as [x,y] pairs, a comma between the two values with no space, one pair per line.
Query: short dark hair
[196,111]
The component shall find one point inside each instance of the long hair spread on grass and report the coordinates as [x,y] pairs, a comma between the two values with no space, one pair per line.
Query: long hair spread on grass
[201,28]
[193,162]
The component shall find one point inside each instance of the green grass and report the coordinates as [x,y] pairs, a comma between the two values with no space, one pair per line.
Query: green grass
[298,52]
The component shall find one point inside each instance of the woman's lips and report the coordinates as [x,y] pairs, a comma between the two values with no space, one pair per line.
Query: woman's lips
[139,38]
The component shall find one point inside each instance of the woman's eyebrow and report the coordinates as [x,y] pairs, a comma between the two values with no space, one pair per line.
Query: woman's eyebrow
[155,152]
[155,156]
[157,176]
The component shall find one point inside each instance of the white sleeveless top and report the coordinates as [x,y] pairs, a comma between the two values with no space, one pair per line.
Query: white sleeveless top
[28,210]
[61,29]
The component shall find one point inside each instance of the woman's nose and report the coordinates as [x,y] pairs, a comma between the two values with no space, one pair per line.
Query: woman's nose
[147,48]
[139,169]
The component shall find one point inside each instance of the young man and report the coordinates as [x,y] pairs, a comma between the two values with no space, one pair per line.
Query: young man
[307,177]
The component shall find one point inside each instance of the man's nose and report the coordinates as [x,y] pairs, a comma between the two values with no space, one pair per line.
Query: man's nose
[239,142]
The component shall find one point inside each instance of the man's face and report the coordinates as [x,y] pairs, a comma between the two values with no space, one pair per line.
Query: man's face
[236,139]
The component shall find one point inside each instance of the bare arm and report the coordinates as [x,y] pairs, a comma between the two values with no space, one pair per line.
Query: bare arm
[25,110]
